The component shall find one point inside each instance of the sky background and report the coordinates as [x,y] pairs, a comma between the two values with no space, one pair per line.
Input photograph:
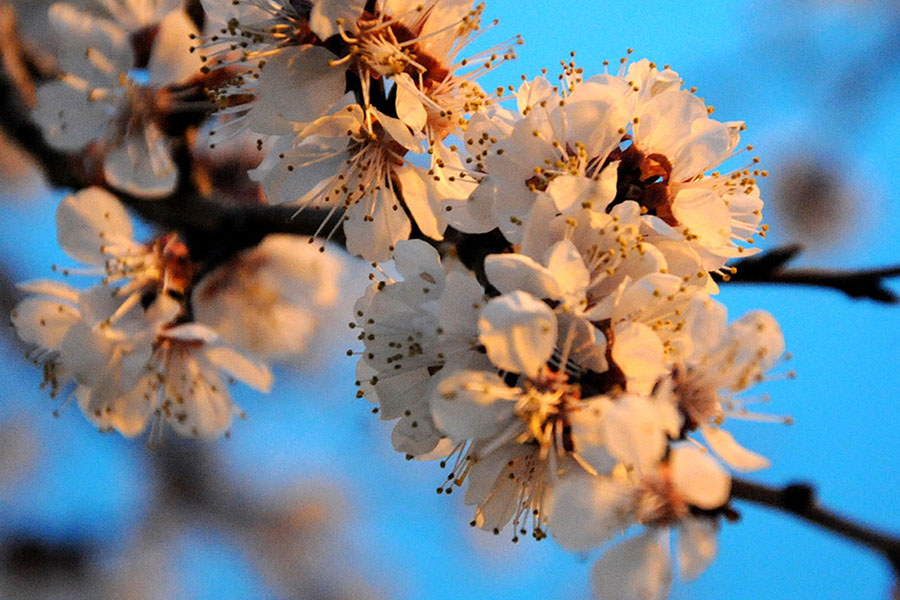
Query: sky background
[817,84]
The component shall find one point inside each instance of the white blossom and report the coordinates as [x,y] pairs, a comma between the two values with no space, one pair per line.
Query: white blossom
[270,299]
[113,97]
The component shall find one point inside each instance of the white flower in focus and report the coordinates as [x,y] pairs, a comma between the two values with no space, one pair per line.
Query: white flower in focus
[552,136]
[295,59]
[675,144]
[414,329]
[113,95]
[520,437]
[269,300]
[346,162]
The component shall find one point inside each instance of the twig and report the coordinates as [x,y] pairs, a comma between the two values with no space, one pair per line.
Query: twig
[771,267]
[799,499]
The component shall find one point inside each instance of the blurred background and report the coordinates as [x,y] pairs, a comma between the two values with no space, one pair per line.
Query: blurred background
[307,499]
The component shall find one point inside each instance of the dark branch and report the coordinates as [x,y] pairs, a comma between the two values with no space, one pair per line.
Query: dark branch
[771,267]
[214,231]
[799,499]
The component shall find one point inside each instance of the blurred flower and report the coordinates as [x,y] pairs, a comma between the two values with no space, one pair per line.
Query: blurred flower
[128,346]
[271,299]
[115,89]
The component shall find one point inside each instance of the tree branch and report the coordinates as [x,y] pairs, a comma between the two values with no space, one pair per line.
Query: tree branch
[771,267]
[799,499]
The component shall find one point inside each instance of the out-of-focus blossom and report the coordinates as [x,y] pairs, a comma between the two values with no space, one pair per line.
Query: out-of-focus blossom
[127,348]
[119,88]
[269,300]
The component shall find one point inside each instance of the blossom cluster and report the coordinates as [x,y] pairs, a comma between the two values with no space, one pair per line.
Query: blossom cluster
[161,336]
[549,330]
[577,377]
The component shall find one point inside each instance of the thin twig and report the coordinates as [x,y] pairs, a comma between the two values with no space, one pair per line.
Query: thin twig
[799,499]
[771,267]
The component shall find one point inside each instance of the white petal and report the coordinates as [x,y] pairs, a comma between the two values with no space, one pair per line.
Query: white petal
[760,340]
[566,263]
[639,352]
[532,93]
[542,227]
[637,569]
[472,214]
[90,220]
[206,409]
[192,332]
[399,131]
[68,119]
[588,344]
[78,30]
[589,435]
[415,435]
[420,200]
[705,215]
[460,305]
[298,84]
[634,433]
[326,13]
[416,257]
[409,106]
[374,238]
[708,145]
[511,272]
[473,405]
[43,322]
[256,375]
[171,59]
[698,478]
[48,287]
[596,123]
[697,546]
[571,192]
[587,511]
[737,457]
[126,411]
[142,164]
[665,121]
[647,292]
[519,332]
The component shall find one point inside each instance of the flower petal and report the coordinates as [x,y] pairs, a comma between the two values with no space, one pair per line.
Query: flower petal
[89,221]
[697,545]
[639,352]
[587,511]
[519,332]
[171,59]
[637,569]
[297,84]
[737,457]
[511,272]
[698,478]
[256,375]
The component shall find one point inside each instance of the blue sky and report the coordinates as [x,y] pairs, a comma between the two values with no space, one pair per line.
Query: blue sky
[775,67]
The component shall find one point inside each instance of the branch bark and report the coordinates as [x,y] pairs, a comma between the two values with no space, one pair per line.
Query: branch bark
[799,499]
[771,267]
